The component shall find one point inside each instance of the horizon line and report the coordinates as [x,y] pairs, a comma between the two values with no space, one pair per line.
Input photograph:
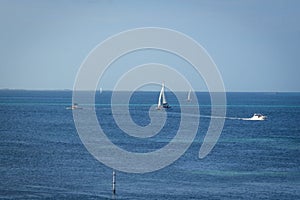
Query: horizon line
[71,90]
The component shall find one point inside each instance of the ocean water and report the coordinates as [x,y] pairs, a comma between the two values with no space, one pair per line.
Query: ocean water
[42,156]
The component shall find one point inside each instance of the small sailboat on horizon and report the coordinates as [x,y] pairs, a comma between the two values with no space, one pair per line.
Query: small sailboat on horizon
[162,101]
[189,96]
[73,107]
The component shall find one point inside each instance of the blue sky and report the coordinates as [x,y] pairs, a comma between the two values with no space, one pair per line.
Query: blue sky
[255,44]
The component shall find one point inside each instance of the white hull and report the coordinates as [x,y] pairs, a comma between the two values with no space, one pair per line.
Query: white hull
[256,117]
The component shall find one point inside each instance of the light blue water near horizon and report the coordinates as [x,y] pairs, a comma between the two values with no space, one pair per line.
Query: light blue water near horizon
[42,157]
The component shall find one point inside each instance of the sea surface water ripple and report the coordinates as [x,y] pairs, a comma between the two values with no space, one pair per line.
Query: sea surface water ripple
[42,156]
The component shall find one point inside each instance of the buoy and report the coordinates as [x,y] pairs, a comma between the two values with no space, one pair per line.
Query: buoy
[114,183]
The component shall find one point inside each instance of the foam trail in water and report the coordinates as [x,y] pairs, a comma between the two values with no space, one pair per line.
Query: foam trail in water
[209,116]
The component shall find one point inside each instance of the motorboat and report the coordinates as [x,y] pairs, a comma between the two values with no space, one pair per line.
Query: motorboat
[257,116]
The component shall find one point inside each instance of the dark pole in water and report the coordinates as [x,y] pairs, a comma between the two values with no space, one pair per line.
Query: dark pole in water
[114,183]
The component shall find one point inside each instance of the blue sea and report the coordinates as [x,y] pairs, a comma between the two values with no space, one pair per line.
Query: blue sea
[42,156]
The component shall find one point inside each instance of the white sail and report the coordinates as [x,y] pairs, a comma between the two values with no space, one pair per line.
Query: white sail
[189,95]
[159,99]
[162,101]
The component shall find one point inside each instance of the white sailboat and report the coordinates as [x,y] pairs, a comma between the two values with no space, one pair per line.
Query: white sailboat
[73,107]
[162,101]
[189,96]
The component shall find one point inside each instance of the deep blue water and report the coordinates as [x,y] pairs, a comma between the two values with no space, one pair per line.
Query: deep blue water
[42,156]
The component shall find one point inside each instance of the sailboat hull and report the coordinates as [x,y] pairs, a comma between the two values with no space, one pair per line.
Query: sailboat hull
[166,105]
[162,102]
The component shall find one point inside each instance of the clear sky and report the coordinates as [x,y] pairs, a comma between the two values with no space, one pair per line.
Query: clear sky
[255,44]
